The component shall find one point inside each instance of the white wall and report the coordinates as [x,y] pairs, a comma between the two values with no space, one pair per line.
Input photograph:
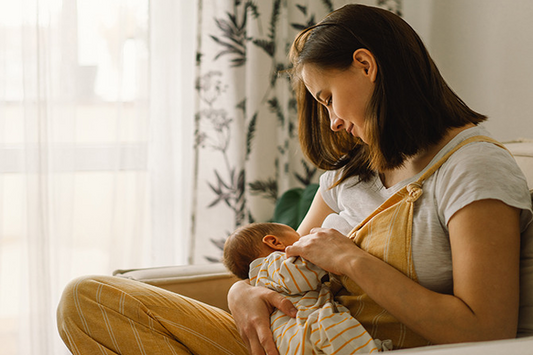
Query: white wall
[484,50]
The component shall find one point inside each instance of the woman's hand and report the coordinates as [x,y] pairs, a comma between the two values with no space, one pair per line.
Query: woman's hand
[326,248]
[251,308]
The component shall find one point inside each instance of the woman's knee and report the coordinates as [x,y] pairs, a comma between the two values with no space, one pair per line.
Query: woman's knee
[78,295]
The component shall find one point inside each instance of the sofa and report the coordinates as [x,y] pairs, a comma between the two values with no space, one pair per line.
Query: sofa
[210,284]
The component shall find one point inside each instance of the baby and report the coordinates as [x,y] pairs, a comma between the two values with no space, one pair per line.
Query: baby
[321,326]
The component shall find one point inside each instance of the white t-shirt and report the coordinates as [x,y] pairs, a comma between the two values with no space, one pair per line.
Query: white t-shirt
[477,171]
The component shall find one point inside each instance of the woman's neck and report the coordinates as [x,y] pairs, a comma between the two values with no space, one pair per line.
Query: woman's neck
[418,162]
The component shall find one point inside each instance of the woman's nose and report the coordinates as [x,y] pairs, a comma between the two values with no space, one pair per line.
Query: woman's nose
[336,123]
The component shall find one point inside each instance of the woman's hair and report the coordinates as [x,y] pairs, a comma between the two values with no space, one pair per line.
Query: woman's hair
[245,245]
[411,107]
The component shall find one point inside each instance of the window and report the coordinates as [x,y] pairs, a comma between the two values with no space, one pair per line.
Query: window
[80,167]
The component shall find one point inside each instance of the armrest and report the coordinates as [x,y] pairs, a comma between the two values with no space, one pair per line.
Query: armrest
[206,283]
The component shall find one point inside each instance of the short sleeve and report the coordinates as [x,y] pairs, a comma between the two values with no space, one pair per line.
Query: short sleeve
[481,171]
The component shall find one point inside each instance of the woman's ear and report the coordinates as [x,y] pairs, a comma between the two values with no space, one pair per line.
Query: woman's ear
[364,60]
[274,242]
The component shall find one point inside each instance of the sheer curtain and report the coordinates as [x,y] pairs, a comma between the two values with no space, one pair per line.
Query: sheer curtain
[94,133]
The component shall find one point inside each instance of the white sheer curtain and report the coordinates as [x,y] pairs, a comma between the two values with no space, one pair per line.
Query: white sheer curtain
[94,130]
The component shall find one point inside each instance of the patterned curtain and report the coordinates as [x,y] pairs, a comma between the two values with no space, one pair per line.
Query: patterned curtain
[246,147]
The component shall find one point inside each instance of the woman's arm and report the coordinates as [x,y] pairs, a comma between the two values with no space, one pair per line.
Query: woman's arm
[485,244]
[318,211]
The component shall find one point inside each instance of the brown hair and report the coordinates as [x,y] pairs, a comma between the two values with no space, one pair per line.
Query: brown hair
[411,107]
[245,245]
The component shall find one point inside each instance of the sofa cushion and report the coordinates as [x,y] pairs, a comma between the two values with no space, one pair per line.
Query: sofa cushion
[206,283]
[525,323]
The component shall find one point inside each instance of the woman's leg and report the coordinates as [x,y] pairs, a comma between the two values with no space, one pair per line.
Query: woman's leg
[112,315]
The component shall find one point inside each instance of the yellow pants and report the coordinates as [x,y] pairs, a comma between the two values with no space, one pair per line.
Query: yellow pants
[111,315]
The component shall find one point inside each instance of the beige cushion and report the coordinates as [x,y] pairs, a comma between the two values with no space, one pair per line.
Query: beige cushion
[206,283]
[525,323]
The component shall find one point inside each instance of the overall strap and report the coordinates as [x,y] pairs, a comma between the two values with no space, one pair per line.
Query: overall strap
[438,164]
[413,191]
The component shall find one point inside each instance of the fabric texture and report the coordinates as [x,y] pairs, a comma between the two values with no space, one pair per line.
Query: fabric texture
[321,326]
[479,170]
[112,315]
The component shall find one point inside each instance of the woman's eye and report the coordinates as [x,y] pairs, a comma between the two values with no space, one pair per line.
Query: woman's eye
[328,102]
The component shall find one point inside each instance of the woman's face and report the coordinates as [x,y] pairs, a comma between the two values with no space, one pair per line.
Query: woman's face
[345,94]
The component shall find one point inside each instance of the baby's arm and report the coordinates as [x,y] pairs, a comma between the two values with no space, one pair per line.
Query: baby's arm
[289,275]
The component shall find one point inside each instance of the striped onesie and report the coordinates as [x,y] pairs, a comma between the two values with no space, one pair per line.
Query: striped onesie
[321,326]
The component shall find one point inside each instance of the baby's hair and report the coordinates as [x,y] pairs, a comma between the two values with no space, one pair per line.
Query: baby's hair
[245,245]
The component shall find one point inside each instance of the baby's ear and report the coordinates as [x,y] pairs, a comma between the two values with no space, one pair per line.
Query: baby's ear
[273,242]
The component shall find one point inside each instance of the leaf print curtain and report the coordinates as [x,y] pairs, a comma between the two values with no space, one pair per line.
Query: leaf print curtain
[246,147]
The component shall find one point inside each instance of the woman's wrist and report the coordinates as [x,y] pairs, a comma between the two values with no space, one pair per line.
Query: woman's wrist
[352,263]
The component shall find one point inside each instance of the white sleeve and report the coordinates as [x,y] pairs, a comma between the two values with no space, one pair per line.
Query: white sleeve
[481,171]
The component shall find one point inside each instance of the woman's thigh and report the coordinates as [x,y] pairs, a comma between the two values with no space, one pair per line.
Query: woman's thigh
[111,315]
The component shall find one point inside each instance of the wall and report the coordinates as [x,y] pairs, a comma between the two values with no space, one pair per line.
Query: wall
[484,49]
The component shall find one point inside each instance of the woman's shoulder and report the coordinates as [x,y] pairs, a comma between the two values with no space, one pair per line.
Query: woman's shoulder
[481,156]
[484,163]
[476,154]
[480,170]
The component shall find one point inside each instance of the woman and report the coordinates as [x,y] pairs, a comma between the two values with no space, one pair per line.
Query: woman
[376,114]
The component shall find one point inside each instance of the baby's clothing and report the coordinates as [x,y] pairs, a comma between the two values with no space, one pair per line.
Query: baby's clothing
[321,326]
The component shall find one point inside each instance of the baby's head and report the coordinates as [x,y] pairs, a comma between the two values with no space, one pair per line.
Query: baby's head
[254,241]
